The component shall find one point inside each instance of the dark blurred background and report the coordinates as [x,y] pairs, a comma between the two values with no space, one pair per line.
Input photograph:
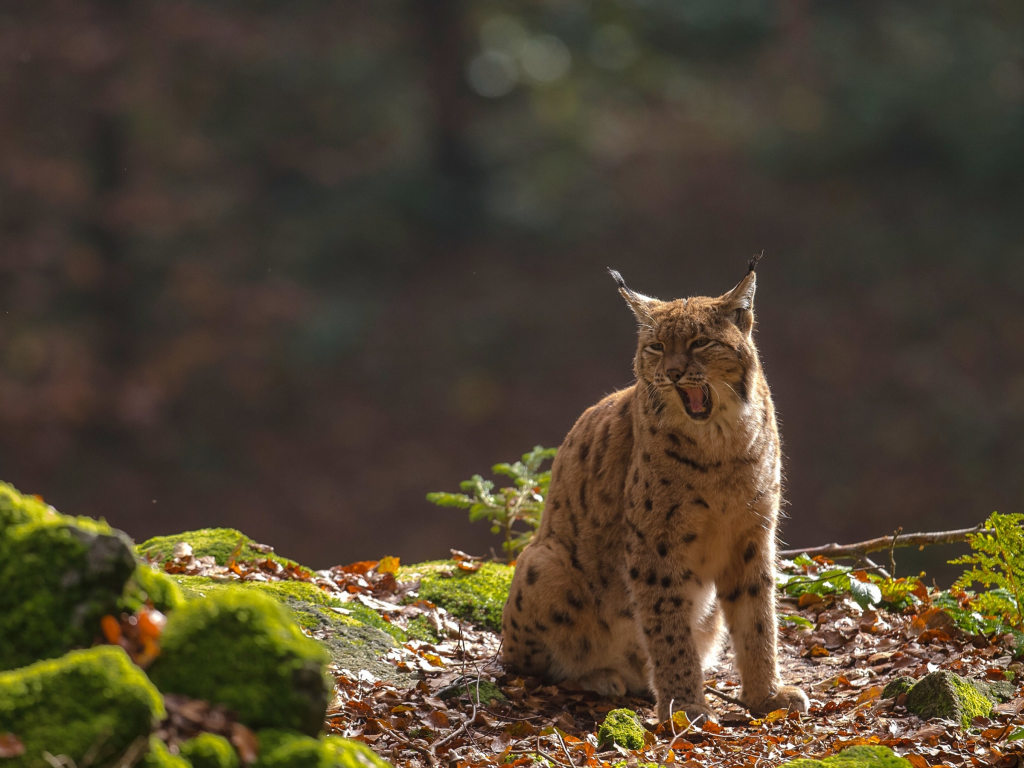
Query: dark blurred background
[289,266]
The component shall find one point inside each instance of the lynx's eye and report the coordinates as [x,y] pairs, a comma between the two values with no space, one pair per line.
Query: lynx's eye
[701,342]
[656,347]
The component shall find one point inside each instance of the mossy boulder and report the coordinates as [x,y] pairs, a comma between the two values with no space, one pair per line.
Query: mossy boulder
[483,692]
[622,727]
[159,756]
[243,650]
[477,596]
[86,702]
[148,585]
[18,509]
[865,756]
[897,687]
[207,750]
[60,576]
[218,543]
[355,640]
[947,695]
[287,749]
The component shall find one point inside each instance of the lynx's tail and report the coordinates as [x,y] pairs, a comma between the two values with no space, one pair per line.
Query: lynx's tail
[709,633]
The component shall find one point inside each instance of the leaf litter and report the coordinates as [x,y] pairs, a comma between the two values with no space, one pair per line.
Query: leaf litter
[467,711]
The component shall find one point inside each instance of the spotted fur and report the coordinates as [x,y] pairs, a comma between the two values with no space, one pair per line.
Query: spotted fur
[661,522]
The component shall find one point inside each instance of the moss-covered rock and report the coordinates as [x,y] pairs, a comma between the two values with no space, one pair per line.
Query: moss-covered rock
[207,750]
[477,596]
[866,756]
[60,575]
[622,727]
[18,509]
[897,687]
[218,543]
[483,692]
[93,701]
[287,749]
[422,628]
[356,639]
[947,695]
[159,756]
[148,585]
[243,650]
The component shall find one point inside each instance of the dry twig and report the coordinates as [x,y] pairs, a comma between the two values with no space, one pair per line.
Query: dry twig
[885,542]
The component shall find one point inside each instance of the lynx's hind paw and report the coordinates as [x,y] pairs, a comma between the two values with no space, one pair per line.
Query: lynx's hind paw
[605,682]
[789,697]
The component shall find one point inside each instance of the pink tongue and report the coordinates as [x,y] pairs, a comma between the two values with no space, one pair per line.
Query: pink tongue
[696,396]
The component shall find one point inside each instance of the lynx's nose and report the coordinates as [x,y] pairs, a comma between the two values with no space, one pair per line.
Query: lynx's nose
[675,374]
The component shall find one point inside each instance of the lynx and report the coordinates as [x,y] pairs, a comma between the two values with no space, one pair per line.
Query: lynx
[660,519]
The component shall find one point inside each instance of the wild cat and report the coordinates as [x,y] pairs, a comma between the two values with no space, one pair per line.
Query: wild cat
[661,519]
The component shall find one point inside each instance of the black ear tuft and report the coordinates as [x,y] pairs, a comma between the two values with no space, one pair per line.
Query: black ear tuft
[752,264]
[618,279]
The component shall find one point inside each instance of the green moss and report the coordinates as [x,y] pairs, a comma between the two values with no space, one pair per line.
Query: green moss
[243,650]
[210,751]
[422,628]
[897,687]
[70,705]
[158,756]
[17,509]
[866,756]
[286,749]
[483,692]
[947,695]
[622,727]
[148,585]
[216,542]
[478,596]
[60,576]
[354,643]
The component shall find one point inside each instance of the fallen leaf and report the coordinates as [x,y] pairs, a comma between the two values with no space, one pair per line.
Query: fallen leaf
[111,629]
[388,565]
[246,742]
[438,719]
[869,694]
[918,761]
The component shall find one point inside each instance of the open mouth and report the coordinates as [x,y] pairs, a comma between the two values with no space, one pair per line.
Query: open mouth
[696,401]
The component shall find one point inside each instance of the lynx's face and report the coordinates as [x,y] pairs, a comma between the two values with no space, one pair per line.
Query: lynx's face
[696,353]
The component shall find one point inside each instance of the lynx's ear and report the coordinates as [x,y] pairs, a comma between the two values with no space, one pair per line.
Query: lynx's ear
[640,304]
[739,302]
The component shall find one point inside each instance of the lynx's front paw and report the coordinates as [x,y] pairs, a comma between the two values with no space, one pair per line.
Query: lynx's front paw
[789,697]
[694,712]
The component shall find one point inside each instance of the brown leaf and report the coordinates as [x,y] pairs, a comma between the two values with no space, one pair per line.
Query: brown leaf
[808,599]
[246,742]
[819,651]
[11,746]
[918,761]
[438,719]
[463,565]
[111,629]
[928,732]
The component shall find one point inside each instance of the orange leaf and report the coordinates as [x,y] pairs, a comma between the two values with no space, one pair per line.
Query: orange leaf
[869,694]
[11,746]
[388,565]
[363,566]
[918,761]
[463,565]
[151,624]
[111,629]
[809,598]
[818,651]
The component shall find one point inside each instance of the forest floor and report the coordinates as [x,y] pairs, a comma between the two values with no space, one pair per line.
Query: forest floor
[463,709]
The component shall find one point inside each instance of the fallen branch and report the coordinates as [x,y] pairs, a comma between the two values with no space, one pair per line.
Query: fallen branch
[883,543]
